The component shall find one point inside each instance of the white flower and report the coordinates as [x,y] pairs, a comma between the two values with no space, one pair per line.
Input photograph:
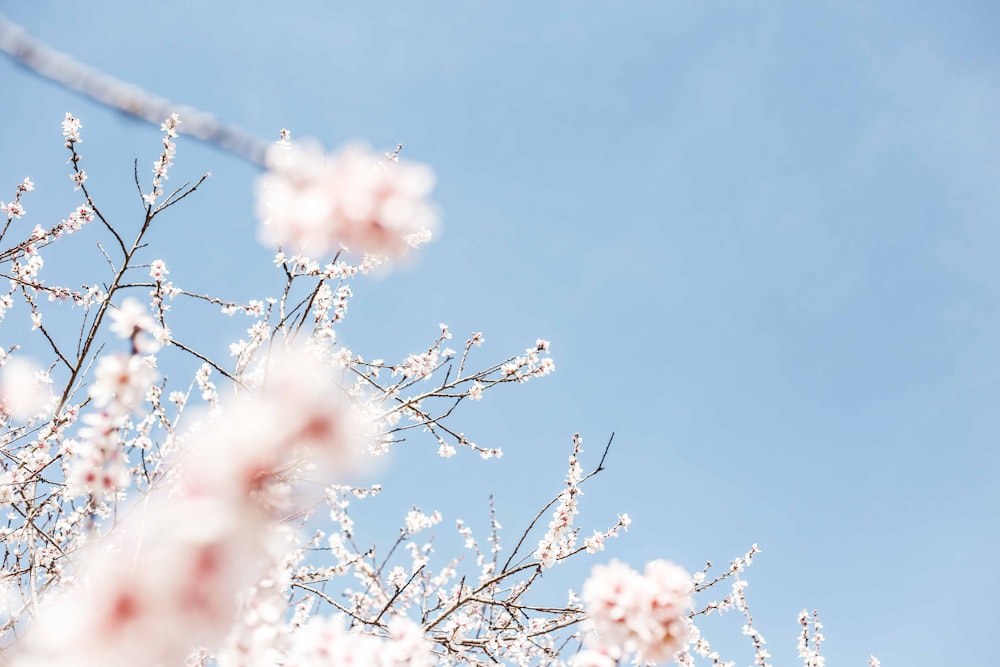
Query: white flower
[476,392]
[170,125]
[71,128]
[417,520]
[595,543]
[397,577]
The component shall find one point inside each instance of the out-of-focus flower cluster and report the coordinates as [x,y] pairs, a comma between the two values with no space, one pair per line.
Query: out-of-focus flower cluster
[172,579]
[315,203]
[644,614]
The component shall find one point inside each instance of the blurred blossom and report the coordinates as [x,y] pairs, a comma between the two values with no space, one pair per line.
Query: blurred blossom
[316,202]
[120,382]
[172,579]
[153,595]
[23,390]
[131,320]
[631,612]
[299,413]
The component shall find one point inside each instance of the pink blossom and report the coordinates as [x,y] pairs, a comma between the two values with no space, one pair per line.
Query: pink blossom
[77,219]
[92,475]
[130,320]
[121,381]
[299,413]
[173,579]
[158,269]
[173,587]
[638,613]
[316,202]
[13,209]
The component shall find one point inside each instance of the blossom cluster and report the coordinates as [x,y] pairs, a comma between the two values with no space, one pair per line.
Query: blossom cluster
[15,209]
[560,539]
[316,203]
[202,516]
[161,167]
[645,614]
[172,580]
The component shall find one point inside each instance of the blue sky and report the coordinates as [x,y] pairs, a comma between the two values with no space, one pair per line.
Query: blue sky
[761,236]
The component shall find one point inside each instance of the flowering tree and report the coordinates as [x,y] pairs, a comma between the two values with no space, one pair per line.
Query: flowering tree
[156,518]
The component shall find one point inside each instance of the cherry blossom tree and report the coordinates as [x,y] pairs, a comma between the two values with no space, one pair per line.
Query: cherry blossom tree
[164,519]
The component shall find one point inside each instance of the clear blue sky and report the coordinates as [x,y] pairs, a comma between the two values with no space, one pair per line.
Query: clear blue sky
[762,237]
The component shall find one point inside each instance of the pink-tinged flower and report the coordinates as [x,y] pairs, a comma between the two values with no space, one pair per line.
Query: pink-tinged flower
[79,178]
[99,467]
[612,595]
[476,391]
[638,613]
[316,202]
[13,209]
[100,431]
[156,595]
[299,414]
[668,589]
[158,269]
[77,219]
[173,579]
[120,382]
[92,475]
[131,320]
[595,542]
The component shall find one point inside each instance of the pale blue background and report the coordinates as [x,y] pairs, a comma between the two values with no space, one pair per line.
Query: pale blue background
[762,237]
